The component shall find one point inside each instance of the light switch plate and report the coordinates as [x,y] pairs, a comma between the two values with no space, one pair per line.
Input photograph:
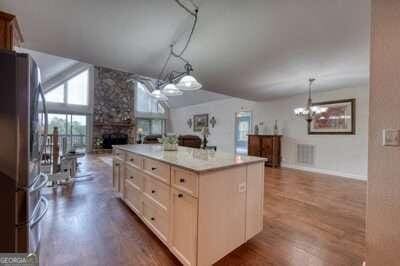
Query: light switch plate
[391,137]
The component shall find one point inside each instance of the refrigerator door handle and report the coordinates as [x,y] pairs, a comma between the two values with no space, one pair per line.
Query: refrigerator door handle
[39,217]
[46,123]
[37,186]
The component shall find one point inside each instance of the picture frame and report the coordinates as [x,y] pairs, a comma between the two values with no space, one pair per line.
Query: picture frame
[339,118]
[200,121]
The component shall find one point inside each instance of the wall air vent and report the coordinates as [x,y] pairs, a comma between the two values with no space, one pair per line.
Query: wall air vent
[305,154]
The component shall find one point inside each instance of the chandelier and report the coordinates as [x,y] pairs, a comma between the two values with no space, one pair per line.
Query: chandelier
[310,111]
[175,82]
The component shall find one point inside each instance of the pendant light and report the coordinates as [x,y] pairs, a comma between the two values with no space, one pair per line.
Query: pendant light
[159,95]
[310,111]
[170,89]
[188,82]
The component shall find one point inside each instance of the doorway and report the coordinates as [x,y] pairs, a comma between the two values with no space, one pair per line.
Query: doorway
[243,125]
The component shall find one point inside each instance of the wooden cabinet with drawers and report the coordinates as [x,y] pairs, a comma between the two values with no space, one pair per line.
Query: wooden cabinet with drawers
[10,33]
[167,198]
[266,146]
[118,176]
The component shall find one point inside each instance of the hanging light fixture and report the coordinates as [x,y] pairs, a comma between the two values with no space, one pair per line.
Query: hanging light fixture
[186,81]
[310,111]
[159,95]
[171,89]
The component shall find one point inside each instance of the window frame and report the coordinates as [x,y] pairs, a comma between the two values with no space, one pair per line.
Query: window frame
[149,115]
[150,120]
[64,83]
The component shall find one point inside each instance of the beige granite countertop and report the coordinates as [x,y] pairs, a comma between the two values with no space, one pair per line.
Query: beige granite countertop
[197,160]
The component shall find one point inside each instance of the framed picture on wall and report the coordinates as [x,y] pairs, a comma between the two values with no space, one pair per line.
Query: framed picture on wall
[338,119]
[200,121]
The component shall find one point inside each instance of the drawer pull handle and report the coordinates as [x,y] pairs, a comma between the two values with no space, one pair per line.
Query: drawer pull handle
[131,177]
[131,159]
[154,168]
[182,180]
[153,191]
[117,164]
[180,195]
[152,218]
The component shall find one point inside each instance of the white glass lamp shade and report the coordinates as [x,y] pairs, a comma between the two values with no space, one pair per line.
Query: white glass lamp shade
[300,111]
[188,83]
[318,109]
[171,90]
[159,95]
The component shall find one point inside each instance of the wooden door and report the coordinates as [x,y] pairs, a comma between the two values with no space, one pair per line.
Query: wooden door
[183,240]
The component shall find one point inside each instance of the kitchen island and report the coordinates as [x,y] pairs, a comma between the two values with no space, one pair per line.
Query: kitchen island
[201,204]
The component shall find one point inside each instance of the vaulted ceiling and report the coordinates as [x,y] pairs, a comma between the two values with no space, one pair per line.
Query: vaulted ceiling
[257,49]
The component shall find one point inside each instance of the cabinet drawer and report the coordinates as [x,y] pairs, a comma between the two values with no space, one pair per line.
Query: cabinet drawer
[185,180]
[156,219]
[157,191]
[134,160]
[134,176]
[157,169]
[133,198]
[119,154]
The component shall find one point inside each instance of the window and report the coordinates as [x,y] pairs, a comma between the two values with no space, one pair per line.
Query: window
[77,89]
[145,103]
[72,128]
[151,126]
[74,91]
[55,95]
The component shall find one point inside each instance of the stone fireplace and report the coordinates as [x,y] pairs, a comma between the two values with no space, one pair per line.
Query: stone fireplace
[113,112]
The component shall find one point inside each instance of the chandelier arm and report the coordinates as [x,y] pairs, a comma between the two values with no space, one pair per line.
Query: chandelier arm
[187,9]
[172,52]
[174,78]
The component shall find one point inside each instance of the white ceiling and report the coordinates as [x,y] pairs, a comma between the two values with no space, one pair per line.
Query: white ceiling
[257,49]
[49,65]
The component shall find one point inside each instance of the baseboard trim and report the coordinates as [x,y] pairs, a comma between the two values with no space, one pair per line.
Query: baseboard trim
[324,171]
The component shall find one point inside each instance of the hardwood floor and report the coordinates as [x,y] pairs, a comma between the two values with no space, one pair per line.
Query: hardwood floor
[309,220]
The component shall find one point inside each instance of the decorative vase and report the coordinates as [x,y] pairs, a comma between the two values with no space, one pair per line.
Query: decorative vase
[256,130]
[276,130]
[170,146]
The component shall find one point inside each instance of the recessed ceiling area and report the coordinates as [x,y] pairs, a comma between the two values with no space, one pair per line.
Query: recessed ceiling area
[257,50]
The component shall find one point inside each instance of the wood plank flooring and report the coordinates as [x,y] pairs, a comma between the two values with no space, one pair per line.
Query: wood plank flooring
[309,220]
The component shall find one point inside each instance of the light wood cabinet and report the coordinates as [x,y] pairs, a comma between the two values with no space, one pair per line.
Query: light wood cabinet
[183,228]
[132,197]
[199,216]
[118,176]
[10,33]
[158,170]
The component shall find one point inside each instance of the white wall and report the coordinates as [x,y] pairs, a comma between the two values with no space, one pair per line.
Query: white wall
[343,155]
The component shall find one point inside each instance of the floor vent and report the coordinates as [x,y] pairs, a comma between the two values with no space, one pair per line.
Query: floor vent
[305,154]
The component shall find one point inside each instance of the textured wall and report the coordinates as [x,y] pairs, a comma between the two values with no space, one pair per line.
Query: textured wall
[383,208]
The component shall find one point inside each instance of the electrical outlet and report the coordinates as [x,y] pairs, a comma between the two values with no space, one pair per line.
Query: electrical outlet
[391,137]
[242,187]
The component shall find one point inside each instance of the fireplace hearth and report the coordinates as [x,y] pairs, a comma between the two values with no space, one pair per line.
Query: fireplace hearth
[114,139]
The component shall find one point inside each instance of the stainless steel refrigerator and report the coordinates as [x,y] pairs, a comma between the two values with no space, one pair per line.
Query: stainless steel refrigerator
[23,129]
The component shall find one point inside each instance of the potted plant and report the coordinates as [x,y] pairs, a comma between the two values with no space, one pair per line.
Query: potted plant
[170,143]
